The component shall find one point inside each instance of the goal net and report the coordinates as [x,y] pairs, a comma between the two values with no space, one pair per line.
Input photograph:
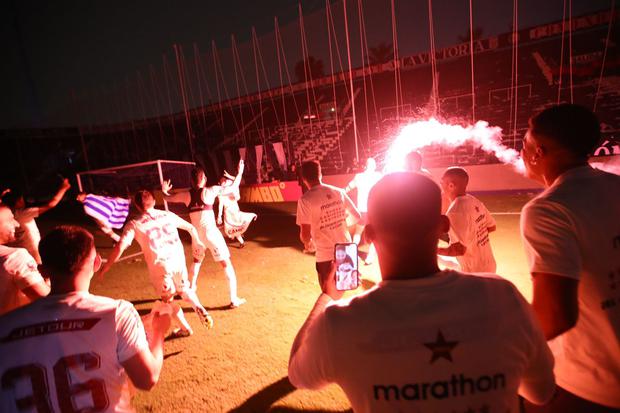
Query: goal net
[125,180]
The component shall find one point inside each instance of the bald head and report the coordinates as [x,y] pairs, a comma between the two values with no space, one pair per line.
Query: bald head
[404,222]
[404,202]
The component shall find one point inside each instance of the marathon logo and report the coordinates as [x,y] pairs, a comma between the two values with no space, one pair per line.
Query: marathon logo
[457,386]
[51,327]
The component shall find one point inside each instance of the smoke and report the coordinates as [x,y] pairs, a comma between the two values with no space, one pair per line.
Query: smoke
[421,134]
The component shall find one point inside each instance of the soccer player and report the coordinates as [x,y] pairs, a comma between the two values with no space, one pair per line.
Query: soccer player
[422,340]
[108,212]
[28,235]
[470,225]
[200,199]
[235,221]
[321,216]
[20,280]
[156,232]
[73,351]
[363,182]
[571,234]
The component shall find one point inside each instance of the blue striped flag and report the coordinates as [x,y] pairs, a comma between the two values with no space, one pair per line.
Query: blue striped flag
[112,212]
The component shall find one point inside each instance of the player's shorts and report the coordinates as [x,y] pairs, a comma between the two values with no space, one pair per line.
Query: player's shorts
[210,235]
[169,280]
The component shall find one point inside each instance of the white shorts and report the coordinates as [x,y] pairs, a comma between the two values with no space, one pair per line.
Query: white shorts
[210,235]
[169,279]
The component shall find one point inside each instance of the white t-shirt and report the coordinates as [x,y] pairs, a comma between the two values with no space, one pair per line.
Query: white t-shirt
[68,350]
[323,208]
[436,344]
[573,230]
[364,182]
[27,235]
[469,223]
[156,232]
[18,271]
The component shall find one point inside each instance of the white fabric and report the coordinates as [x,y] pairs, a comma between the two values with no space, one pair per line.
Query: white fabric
[98,334]
[573,230]
[364,182]
[278,148]
[323,208]
[210,235]
[259,160]
[28,235]
[469,223]
[156,232]
[18,271]
[384,347]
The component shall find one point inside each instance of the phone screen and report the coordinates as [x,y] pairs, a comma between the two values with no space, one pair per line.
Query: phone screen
[346,266]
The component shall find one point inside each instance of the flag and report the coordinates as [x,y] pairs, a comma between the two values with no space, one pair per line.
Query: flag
[112,212]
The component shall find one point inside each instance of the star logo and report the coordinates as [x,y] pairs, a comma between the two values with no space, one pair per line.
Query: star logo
[441,348]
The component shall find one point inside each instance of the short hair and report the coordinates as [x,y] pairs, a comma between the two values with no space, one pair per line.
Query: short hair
[65,249]
[573,127]
[196,176]
[10,198]
[404,201]
[141,197]
[311,170]
[456,172]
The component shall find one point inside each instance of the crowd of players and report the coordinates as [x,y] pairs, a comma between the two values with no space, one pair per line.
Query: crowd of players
[424,339]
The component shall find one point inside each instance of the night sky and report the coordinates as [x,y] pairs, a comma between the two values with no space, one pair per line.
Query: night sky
[51,48]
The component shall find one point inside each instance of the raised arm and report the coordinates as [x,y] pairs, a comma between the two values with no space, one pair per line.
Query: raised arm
[180,197]
[240,169]
[64,187]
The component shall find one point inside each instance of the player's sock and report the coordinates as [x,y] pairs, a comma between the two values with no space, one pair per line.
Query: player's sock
[195,270]
[232,282]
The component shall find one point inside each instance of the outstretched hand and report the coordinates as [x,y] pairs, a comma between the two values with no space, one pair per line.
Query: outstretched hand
[166,186]
[65,184]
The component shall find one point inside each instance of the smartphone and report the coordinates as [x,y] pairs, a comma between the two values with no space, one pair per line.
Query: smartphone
[346,266]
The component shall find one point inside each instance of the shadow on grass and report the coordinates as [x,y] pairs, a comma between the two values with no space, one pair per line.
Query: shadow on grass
[262,401]
[172,354]
[187,310]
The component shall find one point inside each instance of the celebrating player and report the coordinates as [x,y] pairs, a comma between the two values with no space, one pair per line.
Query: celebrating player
[235,221]
[20,281]
[470,225]
[28,235]
[199,199]
[321,215]
[156,232]
[73,351]
[363,182]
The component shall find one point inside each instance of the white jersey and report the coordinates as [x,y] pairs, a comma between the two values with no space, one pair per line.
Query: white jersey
[28,235]
[442,343]
[156,232]
[364,182]
[323,208]
[469,223]
[64,353]
[18,271]
[573,230]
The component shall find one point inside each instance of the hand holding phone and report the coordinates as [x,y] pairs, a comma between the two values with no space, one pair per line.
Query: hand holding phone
[346,266]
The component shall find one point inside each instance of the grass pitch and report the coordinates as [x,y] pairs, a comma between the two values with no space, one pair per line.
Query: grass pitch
[241,364]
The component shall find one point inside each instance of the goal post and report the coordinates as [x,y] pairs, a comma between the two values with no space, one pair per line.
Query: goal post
[125,180]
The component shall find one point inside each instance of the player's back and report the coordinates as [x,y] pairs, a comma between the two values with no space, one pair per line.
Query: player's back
[62,352]
[158,237]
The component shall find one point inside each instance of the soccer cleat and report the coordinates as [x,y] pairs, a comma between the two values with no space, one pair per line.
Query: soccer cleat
[237,302]
[204,317]
[179,333]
